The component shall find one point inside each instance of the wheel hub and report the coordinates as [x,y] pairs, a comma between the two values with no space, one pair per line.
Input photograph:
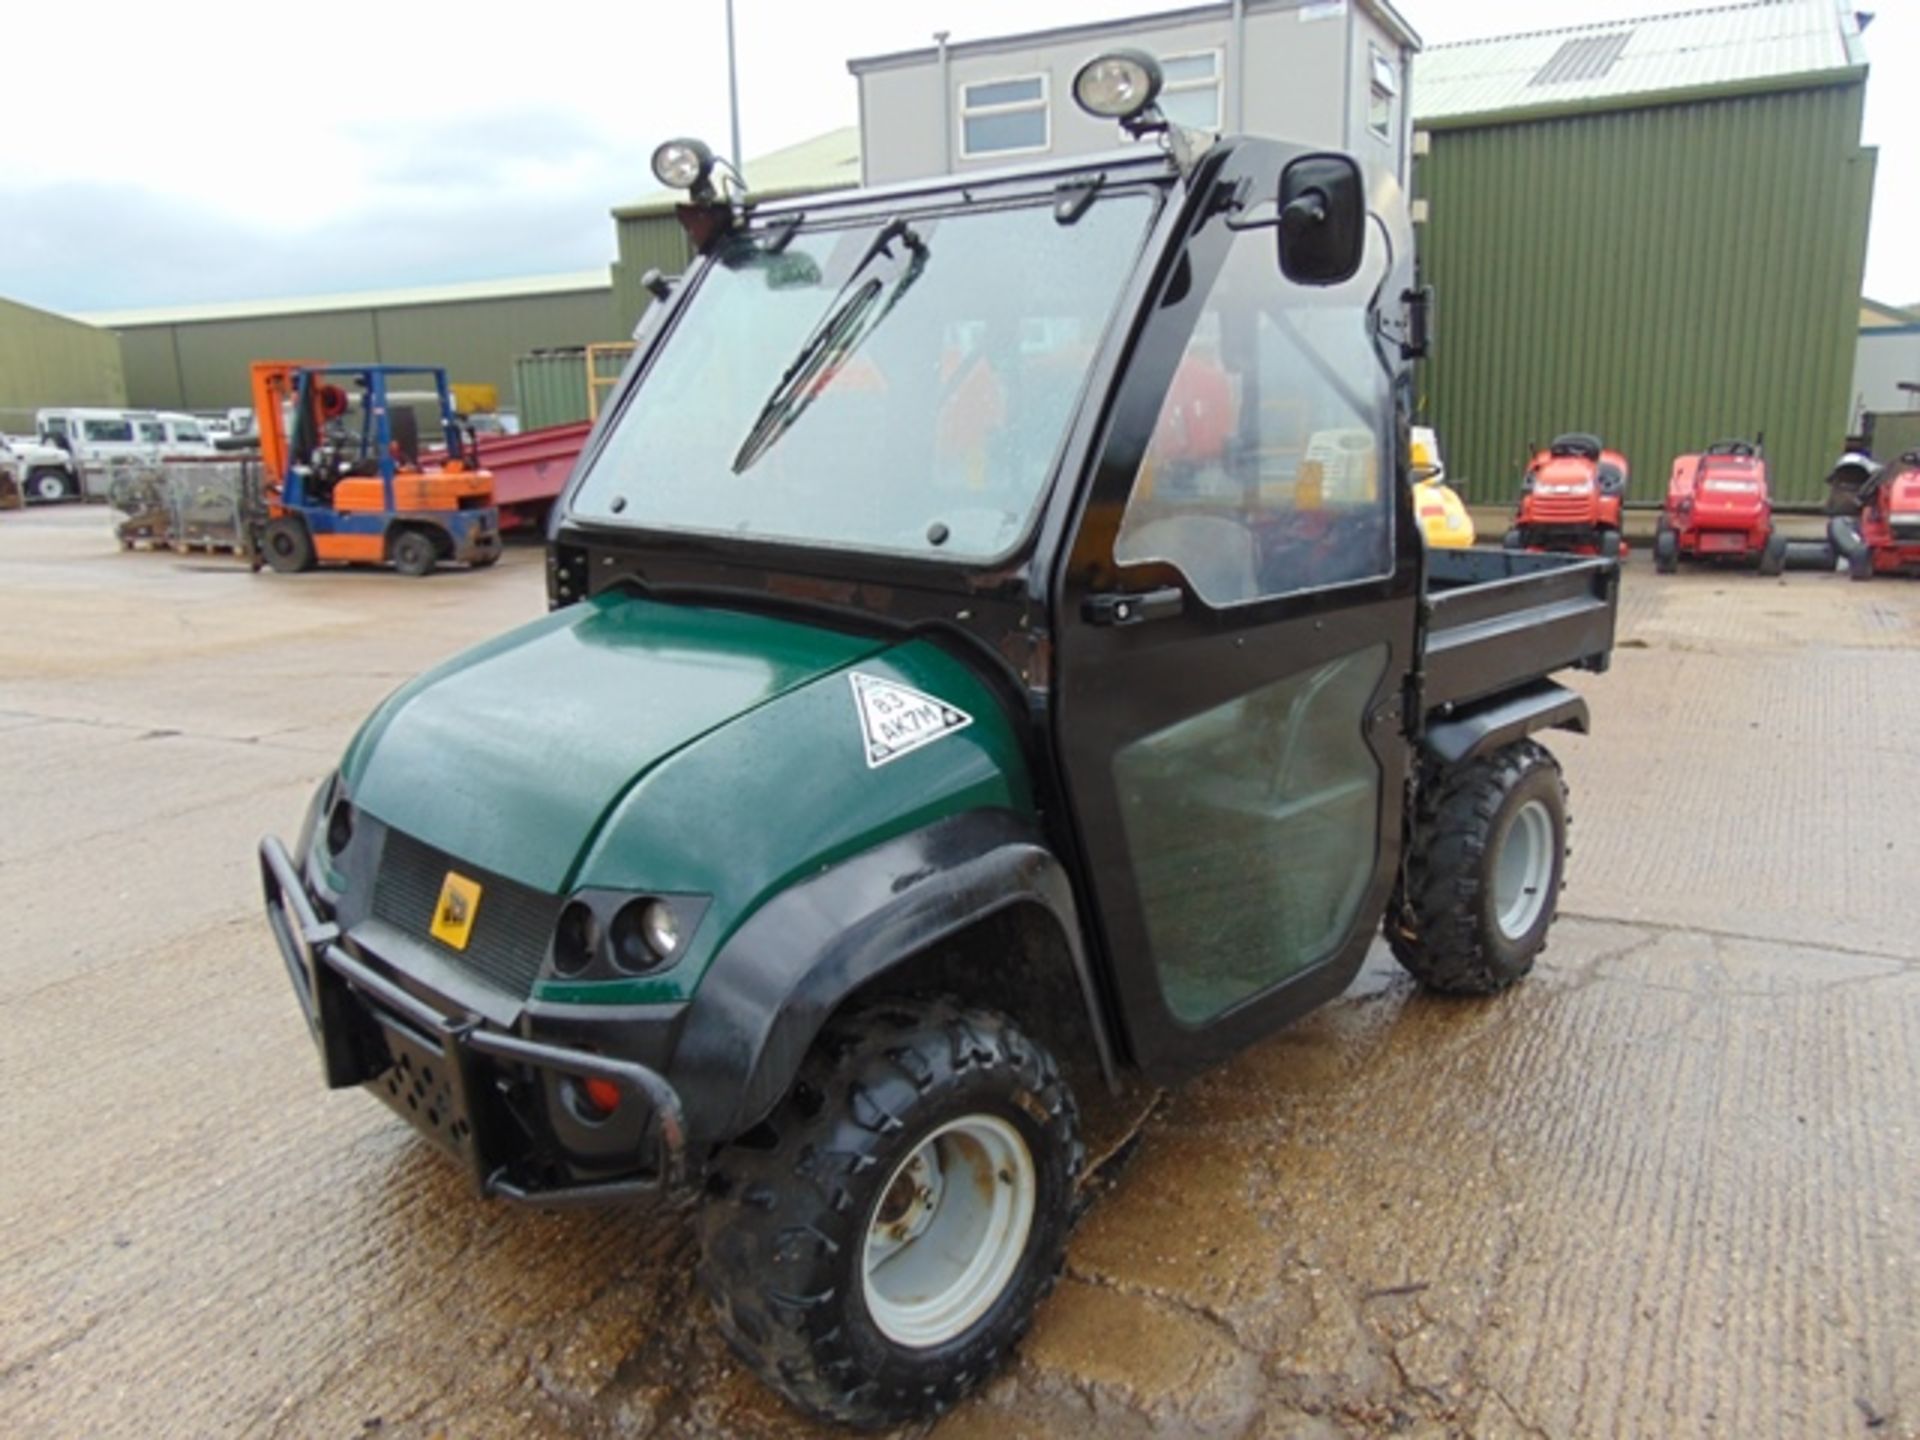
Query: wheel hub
[947,1234]
[1523,875]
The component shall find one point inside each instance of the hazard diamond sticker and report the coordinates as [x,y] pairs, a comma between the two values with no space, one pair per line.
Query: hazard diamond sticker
[896,718]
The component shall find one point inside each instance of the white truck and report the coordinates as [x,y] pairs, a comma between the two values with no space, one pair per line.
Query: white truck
[94,441]
[44,473]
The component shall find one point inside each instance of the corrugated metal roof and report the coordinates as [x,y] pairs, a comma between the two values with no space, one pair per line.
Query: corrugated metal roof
[353,300]
[1661,54]
[825,162]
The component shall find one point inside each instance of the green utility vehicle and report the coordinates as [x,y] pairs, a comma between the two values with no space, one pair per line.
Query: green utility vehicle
[991,649]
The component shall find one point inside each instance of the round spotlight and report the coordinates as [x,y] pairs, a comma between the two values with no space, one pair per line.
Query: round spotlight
[1117,85]
[682,164]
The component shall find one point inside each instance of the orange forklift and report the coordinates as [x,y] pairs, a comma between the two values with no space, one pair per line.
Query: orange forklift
[342,481]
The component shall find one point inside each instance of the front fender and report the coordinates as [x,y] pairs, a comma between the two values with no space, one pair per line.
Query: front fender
[778,978]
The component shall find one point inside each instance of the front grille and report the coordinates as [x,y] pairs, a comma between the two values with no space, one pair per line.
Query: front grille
[1560,509]
[511,927]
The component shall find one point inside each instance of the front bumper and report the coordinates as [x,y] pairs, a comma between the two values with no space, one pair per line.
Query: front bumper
[452,1073]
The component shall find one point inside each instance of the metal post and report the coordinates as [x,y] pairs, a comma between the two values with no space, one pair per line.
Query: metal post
[1236,76]
[733,95]
[946,104]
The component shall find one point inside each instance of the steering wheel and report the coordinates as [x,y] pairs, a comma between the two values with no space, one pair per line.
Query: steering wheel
[1732,447]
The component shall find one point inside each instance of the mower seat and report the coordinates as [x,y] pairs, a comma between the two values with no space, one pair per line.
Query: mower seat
[1613,480]
[1586,447]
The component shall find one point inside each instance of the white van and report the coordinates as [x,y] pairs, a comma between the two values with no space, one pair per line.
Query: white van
[177,433]
[91,434]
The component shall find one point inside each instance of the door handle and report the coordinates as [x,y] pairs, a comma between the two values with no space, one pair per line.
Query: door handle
[1161,604]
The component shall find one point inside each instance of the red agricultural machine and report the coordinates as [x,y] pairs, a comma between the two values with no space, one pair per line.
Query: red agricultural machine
[1875,509]
[1570,499]
[1719,507]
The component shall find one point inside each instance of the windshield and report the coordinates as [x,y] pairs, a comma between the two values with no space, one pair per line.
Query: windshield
[891,386]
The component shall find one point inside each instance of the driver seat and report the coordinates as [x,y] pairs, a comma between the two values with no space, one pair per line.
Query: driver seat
[1577,443]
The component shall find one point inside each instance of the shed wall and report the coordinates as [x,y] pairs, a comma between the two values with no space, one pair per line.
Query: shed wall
[202,364]
[47,359]
[1664,277]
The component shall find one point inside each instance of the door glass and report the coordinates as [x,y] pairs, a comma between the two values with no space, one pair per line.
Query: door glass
[1267,472]
[1251,828]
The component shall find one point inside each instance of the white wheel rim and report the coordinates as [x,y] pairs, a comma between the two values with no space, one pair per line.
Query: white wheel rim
[1523,875]
[947,1231]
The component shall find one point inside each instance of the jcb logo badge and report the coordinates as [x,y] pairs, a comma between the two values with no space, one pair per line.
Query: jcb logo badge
[453,916]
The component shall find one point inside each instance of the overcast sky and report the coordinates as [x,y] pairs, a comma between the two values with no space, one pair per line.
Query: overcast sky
[213,150]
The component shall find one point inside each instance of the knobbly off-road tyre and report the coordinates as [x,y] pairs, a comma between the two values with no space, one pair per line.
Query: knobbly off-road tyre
[785,1232]
[1484,832]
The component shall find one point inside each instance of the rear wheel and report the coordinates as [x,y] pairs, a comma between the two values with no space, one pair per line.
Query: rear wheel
[1773,559]
[878,1245]
[1666,551]
[1483,874]
[413,553]
[287,545]
[50,486]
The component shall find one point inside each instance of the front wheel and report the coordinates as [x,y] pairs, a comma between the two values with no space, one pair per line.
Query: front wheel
[413,553]
[1482,880]
[1513,540]
[876,1247]
[50,486]
[1666,551]
[1773,558]
[287,545]
[1609,543]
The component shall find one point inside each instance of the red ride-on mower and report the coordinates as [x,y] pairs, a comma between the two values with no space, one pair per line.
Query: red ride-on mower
[1876,515]
[1570,499]
[1719,507]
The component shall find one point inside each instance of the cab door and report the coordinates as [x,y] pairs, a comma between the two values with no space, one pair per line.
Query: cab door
[1236,623]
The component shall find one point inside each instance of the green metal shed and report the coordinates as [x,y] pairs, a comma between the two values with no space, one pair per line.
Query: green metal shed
[48,359]
[197,357]
[1653,230]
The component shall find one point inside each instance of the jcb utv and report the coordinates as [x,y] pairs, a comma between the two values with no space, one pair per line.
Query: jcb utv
[991,647]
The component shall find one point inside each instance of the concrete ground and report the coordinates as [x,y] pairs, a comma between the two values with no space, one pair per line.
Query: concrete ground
[1668,1187]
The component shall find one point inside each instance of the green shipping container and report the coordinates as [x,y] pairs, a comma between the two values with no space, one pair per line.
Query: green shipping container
[550,388]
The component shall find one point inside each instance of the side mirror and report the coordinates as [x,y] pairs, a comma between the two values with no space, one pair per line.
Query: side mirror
[1323,219]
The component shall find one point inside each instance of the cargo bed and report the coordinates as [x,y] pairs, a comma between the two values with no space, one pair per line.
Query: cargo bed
[1500,619]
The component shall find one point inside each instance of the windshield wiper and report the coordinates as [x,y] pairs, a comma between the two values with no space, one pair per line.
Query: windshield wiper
[853,314]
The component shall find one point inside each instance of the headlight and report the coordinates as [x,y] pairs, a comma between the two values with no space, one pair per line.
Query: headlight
[339,823]
[645,933]
[607,934]
[575,938]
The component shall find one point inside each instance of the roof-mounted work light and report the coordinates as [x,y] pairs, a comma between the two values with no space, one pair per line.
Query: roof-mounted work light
[684,165]
[1120,85]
